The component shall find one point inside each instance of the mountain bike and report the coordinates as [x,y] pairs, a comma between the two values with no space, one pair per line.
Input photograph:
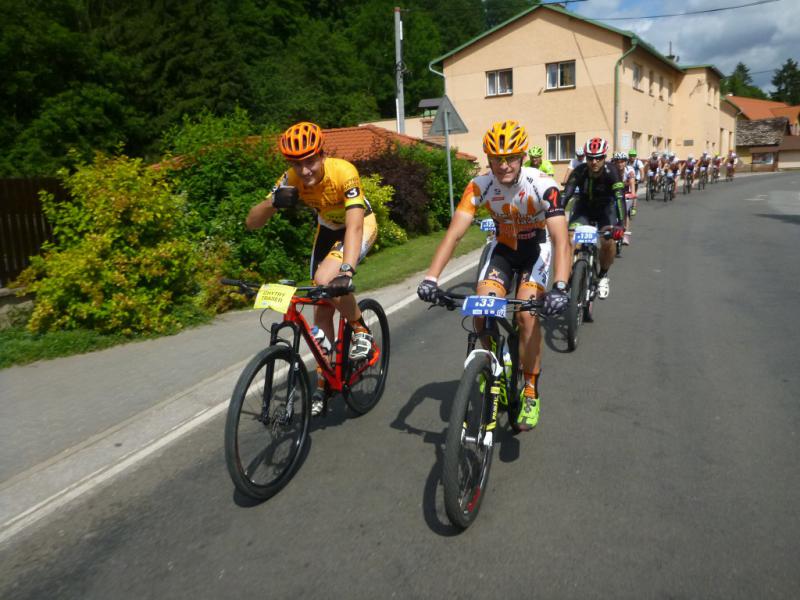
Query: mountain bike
[715,175]
[728,173]
[270,409]
[701,183]
[490,380]
[650,193]
[669,188]
[583,280]
[687,183]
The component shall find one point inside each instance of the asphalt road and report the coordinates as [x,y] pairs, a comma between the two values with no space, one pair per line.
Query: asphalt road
[665,464]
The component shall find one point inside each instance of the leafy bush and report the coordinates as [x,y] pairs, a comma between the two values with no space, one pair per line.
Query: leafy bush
[223,172]
[409,207]
[380,197]
[418,174]
[122,260]
[435,160]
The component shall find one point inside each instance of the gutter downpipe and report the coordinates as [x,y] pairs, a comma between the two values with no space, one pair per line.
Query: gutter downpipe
[634,43]
[446,140]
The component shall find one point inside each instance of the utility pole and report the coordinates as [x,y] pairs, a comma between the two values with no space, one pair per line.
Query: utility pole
[399,68]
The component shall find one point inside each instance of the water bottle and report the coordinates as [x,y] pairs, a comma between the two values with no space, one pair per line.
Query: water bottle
[322,340]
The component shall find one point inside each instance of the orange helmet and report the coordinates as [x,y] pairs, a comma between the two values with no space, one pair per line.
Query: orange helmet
[301,141]
[505,137]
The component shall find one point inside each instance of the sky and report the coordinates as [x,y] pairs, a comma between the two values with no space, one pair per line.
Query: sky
[762,37]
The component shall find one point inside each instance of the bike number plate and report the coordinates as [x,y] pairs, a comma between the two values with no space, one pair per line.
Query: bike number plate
[484,306]
[487,225]
[275,296]
[585,236]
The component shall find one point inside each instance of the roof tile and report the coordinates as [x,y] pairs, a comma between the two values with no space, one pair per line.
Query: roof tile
[754,108]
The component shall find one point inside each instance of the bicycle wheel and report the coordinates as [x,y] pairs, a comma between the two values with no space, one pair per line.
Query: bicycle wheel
[666,191]
[577,298]
[267,424]
[370,372]
[467,460]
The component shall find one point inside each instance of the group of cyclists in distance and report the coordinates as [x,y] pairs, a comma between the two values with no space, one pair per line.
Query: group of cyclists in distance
[531,254]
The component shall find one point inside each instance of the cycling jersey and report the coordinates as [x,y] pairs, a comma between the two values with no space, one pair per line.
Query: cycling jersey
[339,190]
[637,167]
[600,198]
[690,165]
[545,167]
[519,209]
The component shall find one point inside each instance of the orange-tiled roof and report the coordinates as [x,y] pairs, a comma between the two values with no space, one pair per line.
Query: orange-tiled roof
[351,143]
[790,112]
[753,108]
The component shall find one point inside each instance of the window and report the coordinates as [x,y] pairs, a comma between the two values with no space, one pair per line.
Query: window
[660,87]
[560,146]
[669,92]
[561,75]
[635,143]
[499,83]
[668,147]
[637,76]
[763,158]
[652,84]
[657,142]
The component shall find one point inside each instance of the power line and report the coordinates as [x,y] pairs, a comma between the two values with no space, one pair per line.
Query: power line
[695,12]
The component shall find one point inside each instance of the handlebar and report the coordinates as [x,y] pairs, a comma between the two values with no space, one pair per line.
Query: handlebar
[451,301]
[312,292]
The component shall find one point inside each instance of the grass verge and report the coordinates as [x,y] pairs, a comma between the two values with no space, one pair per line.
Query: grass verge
[18,346]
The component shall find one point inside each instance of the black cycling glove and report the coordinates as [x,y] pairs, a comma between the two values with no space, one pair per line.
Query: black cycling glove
[428,290]
[555,303]
[286,196]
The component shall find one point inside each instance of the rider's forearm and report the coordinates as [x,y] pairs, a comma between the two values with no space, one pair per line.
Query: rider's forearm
[260,214]
[353,236]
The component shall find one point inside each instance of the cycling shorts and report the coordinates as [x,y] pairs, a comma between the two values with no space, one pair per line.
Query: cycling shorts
[604,215]
[330,242]
[531,261]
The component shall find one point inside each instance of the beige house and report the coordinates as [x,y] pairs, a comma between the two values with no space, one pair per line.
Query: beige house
[567,78]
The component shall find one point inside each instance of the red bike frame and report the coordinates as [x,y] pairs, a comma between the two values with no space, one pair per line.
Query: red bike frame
[334,373]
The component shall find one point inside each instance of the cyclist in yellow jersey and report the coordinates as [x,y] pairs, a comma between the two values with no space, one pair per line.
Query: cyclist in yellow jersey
[346,228]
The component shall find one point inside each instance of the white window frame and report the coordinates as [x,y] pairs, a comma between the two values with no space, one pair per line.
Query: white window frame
[557,69]
[563,151]
[493,78]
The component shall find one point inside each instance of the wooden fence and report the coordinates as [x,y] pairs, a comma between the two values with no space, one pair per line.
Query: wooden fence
[23,227]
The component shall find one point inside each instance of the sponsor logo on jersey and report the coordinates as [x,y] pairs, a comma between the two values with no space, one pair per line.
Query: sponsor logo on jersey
[353,192]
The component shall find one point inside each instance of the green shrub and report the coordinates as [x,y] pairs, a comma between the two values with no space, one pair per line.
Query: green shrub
[435,161]
[223,172]
[418,174]
[122,260]
[409,206]
[380,198]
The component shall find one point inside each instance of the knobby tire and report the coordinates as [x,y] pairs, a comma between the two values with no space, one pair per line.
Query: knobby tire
[262,454]
[465,469]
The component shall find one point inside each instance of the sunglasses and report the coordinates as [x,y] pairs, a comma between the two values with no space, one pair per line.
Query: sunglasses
[511,161]
[596,158]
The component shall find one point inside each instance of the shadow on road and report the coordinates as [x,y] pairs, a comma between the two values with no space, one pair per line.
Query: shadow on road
[793,219]
[432,502]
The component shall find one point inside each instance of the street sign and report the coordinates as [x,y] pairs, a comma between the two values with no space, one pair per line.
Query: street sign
[446,115]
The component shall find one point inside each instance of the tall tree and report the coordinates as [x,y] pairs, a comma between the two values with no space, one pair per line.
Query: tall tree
[498,11]
[740,83]
[787,83]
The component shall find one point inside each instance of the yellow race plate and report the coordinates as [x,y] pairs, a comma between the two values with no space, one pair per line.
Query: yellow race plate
[275,296]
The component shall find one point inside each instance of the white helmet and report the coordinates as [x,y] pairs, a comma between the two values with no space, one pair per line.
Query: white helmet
[579,151]
[690,157]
